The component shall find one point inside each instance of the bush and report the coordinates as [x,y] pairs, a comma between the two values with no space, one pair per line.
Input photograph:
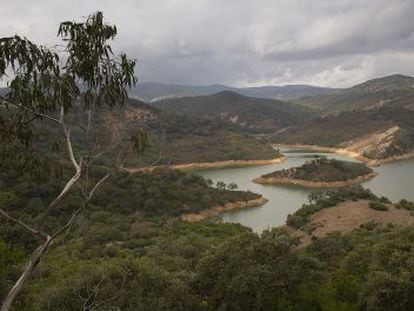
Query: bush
[325,199]
[378,206]
[405,205]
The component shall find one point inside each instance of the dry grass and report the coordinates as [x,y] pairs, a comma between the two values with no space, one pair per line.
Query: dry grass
[348,216]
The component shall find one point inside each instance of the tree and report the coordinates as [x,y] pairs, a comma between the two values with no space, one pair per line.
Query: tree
[46,87]
[232,186]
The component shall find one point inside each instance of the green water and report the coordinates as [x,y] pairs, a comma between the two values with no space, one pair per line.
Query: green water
[394,180]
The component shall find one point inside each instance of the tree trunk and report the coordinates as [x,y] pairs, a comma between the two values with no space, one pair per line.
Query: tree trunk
[30,266]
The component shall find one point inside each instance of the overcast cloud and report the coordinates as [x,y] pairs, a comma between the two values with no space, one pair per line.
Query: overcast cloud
[252,42]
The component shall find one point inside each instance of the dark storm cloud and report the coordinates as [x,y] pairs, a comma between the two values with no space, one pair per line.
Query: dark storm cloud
[325,42]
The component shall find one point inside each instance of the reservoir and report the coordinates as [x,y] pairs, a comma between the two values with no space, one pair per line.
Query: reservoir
[394,180]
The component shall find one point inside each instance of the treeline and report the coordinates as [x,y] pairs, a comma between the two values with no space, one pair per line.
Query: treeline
[180,266]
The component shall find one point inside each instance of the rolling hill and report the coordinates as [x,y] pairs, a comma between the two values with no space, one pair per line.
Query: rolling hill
[257,115]
[394,90]
[375,119]
[173,139]
[176,139]
[152,91]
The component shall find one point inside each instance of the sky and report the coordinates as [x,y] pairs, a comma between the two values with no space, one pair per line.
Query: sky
[335,43]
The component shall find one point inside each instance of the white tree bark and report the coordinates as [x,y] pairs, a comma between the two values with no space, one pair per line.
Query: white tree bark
[39,252]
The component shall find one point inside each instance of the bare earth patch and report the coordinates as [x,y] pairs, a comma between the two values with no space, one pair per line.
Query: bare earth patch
[348,216]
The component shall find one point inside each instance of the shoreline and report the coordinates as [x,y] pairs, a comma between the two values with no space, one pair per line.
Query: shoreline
[215,211]
[352,154]
[313,184]
[209,165]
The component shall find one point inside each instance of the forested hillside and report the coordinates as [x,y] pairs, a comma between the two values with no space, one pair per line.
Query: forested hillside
[374,119]
[394,90]
[122,253]
[254,114]
[178,139]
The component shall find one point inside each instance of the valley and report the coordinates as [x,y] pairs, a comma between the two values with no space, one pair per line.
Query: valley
[274,172]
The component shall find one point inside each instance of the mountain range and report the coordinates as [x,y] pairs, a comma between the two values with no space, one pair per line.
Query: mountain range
[152,91]
[374,118]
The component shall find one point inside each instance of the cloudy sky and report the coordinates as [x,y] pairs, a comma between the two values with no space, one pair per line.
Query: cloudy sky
[334,43]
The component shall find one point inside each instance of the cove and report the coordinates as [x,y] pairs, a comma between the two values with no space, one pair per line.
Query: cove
[394,180]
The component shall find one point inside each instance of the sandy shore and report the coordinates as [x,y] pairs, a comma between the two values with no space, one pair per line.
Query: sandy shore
[349,153]
[209,165]
[196,217]
[313,184]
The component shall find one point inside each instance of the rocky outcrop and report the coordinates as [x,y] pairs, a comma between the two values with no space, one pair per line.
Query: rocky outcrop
[373,146]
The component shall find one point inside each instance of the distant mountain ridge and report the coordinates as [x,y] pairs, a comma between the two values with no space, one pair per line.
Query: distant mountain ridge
[152,91]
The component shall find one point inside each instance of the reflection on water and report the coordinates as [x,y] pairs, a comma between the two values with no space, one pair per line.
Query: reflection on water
[395,181]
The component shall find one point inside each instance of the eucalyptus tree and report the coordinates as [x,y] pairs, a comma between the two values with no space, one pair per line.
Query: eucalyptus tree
[47,84]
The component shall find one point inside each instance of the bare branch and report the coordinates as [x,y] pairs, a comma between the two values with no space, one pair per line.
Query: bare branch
[41,115]
[70,149]
[59,198]
[30,266]
[22,224]
[99,183]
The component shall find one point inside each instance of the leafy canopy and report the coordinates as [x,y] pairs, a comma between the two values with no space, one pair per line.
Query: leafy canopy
[83,71]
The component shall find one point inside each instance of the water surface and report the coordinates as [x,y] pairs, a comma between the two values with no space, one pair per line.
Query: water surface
[394,180]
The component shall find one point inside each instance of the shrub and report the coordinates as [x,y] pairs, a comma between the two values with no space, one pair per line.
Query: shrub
[378,206]
[405,205]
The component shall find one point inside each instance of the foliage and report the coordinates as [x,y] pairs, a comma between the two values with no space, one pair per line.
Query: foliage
[118,258]
[10,259]
[405,205]
[323,170]
[43,86]
[378,206]
[325,199]
[255,115]
[165,192]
